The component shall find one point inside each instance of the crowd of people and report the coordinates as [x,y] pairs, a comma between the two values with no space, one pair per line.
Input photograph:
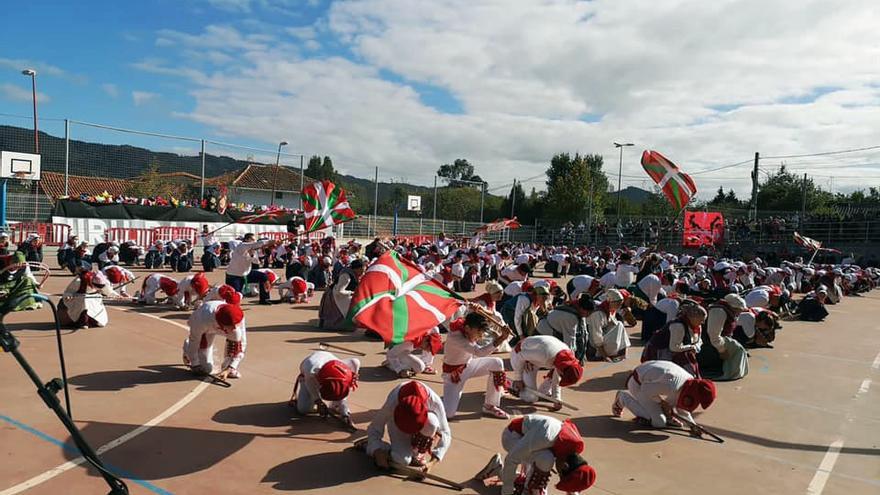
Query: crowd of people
[553,308]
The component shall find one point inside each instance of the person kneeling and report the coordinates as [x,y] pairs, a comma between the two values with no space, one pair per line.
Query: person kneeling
[534,445]
[418,432]
[210,319]
[323,377]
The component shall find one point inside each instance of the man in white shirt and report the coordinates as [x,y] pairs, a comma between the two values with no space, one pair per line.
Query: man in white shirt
[239,272]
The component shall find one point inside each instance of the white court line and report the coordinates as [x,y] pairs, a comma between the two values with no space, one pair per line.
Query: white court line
[67,466]
[876,364]
[866,384]
[817,485]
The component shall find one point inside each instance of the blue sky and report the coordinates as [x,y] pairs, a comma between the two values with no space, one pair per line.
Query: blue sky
[96,43]
[408,85]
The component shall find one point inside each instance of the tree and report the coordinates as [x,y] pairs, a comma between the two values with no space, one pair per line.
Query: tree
[313,169]
[725,200]
[327,171]
[460,170]
[569,184]
[784,191]
[151,183]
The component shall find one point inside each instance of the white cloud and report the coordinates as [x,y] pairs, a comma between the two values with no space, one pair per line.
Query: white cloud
[110,89]
[706,83]
[14,92]
[247,6]
[40,67]
[141,97]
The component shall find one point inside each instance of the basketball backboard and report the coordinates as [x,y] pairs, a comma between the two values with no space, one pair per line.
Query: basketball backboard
[414,203]
[24,166]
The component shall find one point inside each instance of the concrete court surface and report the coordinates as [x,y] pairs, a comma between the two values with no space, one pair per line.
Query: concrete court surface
[806,420]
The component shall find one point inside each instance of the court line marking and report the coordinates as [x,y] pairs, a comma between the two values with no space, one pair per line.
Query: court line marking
[817,484]
[876,364]
[866,384]
[67,466]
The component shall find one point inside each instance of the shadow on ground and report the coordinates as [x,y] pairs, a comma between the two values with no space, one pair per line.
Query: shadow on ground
[107,381]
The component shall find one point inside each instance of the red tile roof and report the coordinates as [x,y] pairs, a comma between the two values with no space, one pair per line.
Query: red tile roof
[260,177]
[52,184]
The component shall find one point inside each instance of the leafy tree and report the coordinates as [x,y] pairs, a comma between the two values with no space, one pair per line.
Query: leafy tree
[327,171]
[570,181]
[460,170]
[726,200]
[313,169]
[784,191]
[151,183]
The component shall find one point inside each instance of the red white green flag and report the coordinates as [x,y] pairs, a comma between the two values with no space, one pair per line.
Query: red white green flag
[325,205]
[270,213]
[398,301]
[677,186]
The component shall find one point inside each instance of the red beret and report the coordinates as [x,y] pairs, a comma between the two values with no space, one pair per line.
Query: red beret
[200,284]
[696,392]
[299,286]
[411,412]
[577,480]
[229,294]
[334,380]
[228,315]
[568,367]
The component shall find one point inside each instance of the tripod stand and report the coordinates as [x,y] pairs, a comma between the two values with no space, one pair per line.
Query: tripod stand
[48,392]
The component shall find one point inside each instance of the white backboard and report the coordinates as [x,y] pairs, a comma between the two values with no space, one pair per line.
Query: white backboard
[414,203]
[22,163]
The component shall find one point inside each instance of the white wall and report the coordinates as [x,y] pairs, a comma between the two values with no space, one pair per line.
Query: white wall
[289,199]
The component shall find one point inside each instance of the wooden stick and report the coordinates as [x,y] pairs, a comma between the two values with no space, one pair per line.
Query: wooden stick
[419,474]
[340,348]
[552,399]
[220,381]
[696,426]
[361,445]
[125,283]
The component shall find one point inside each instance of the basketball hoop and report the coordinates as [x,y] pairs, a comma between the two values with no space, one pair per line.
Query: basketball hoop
[22,178]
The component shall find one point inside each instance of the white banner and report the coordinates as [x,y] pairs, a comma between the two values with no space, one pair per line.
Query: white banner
[92,229]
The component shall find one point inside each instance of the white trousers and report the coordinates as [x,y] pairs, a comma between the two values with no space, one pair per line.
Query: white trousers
[615,339]
[476,367]
[401,358]
[199,349]
[541,459]
[528,373]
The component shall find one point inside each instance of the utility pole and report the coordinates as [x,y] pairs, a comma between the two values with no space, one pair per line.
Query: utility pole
[803,204]
[512,198]
[755,186]
[482,196]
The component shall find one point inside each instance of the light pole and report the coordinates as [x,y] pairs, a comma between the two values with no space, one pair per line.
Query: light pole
[619,175]
[33,75]
[275,174]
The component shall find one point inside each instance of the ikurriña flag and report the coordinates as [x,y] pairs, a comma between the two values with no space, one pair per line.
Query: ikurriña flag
[398,301]
[677,186]
[325,205]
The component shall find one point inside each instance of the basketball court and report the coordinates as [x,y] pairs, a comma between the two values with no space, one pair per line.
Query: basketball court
[805,420]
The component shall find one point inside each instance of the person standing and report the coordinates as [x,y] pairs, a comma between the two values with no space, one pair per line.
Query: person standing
[240,270]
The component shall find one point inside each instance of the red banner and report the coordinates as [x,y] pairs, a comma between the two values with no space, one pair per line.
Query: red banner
[703,229]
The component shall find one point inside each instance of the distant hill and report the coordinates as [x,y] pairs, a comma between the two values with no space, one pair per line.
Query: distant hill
[634,195]
[124,162]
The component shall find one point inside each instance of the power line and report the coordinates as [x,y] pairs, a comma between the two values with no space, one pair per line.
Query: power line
[721,168]
[824,153]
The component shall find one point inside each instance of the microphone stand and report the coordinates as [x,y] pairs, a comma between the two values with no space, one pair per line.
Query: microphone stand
[48,392]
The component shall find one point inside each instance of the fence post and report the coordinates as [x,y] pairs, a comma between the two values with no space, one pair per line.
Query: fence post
[867,229]
[66,156]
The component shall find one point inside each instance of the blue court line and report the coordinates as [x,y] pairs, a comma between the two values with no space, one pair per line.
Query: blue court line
[74,450]
[766,366]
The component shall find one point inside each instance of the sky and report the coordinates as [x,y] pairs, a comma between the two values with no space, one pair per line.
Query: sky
[407,85]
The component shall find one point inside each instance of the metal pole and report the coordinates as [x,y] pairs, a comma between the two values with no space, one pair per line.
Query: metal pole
[803,204]
[482,196]
[67,156]
[434,213]
[302,179]
[755,187]
[512,198]
[202,188]
[590,212]
[376,201]
[36,129]
[275,174]
[619,177]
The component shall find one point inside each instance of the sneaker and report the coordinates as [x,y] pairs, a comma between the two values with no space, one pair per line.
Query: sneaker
[495,411]
[234,373]
[493,468]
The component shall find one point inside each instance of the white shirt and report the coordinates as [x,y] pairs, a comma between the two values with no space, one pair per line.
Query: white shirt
[541,350]
[240,259]
[459,350]
[625,275]
[581,284]
[401,443]
[660,380]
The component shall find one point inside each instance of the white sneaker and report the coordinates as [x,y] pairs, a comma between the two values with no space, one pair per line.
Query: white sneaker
[493,468]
